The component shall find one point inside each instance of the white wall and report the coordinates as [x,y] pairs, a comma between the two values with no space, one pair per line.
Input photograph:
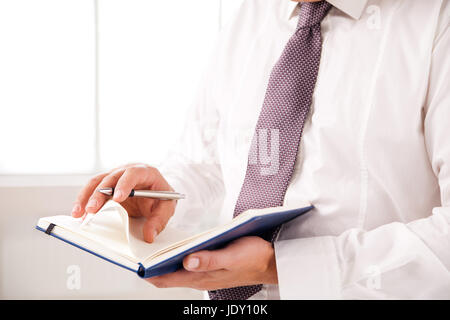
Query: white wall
[34,265]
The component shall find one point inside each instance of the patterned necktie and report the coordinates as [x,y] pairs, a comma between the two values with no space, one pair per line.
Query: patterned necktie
[283,114]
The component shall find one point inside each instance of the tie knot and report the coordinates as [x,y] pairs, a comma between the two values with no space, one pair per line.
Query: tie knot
[312,13]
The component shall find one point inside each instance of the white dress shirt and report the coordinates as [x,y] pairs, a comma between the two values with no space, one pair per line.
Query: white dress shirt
[374,158]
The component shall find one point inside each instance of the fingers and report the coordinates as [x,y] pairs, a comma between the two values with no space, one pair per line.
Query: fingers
[207,260]
[133,176]
[123,180]
[98,199]
[180,278]
[158,219]
[244,253]
[159,214]
[84,195]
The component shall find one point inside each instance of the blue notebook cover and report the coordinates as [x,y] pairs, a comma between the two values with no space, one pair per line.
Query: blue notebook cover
[254,226]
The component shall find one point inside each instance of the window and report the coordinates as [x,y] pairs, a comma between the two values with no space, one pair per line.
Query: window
[91,84]
[47,86]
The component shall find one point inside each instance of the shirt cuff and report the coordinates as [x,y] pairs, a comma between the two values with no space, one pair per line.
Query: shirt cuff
[308,268]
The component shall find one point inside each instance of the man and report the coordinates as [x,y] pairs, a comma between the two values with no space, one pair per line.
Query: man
[348,105]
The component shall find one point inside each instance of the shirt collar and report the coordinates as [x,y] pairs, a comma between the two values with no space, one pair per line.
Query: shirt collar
[353,8]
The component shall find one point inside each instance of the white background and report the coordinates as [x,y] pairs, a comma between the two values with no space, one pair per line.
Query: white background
[86,85]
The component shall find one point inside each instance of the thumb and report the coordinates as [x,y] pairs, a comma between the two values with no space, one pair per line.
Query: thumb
[206,260]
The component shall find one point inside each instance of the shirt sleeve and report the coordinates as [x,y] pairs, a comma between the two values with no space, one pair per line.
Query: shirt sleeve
[192,165]
[396,260]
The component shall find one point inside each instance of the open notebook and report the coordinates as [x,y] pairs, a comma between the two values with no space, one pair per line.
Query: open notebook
[112,235]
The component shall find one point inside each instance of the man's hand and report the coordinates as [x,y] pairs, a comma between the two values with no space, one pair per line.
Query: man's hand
[123,180]
[246,261]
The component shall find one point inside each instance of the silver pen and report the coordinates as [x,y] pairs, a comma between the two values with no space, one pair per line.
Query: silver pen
[161,195]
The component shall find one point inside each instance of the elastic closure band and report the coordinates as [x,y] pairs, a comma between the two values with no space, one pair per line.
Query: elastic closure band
[50,228]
